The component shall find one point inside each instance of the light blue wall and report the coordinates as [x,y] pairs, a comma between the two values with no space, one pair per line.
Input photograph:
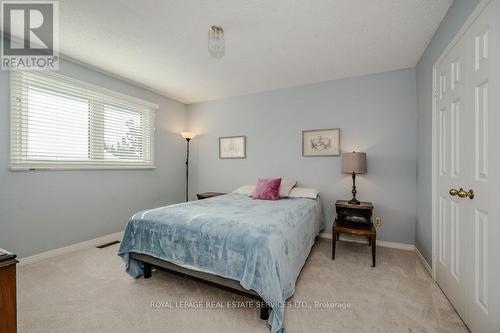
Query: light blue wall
[452,22]
[376,114]
[45,210]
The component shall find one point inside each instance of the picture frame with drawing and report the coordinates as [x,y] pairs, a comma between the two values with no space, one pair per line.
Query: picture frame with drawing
[321,142]
[232,147]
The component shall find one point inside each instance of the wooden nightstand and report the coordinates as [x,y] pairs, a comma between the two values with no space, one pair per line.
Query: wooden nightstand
[206,195]
[355,220]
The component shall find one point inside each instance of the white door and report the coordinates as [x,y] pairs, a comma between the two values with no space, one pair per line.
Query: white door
[454,169]
[467,157]
[483,229]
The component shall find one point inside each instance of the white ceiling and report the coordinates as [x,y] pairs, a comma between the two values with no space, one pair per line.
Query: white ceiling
[270,44]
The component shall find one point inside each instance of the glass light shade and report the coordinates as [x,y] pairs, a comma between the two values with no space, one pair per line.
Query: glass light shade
[216,46]
[188,135]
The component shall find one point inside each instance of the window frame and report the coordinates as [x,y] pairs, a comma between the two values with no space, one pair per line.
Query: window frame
[92,164]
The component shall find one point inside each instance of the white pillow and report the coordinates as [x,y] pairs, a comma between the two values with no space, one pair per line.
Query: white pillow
[304,192]
[286,186]
[245,189]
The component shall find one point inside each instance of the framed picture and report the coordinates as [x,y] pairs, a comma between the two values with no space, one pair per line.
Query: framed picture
[232,147]
[321,142]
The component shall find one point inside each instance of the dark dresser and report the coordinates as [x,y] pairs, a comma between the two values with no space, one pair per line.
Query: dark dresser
[8,306]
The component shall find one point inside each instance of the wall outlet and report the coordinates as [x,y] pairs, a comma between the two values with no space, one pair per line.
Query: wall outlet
[377,221]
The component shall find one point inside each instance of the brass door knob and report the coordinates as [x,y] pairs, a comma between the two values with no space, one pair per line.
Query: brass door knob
[464,194]
[461,193]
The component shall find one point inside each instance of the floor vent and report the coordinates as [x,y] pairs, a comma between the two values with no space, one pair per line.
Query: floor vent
[102,246]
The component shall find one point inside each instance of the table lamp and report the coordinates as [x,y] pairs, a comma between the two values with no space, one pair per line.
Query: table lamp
[354,163]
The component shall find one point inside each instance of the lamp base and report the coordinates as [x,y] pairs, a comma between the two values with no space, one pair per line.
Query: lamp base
[354,201]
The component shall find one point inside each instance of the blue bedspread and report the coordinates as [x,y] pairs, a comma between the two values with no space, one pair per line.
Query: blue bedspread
[263,244]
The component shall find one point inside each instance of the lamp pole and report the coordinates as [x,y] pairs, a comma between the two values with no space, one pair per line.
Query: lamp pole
[354,201]
[187,169]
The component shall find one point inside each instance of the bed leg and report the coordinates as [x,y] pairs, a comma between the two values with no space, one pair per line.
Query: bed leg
[147,270]
[264,311]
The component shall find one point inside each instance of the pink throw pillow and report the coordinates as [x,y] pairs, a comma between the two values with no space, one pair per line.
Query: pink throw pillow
[267,189]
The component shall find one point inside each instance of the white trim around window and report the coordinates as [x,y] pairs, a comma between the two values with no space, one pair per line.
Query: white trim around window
[60,123]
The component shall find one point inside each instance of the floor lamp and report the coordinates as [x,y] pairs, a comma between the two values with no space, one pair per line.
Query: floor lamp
[188,136]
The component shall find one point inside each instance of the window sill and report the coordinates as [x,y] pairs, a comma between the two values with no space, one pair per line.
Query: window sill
[79,167]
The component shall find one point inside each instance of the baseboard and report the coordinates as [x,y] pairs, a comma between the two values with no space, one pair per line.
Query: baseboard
[423,261]
[392,245]
[67,249]
[119,235]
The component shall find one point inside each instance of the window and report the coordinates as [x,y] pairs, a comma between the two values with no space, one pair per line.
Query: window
[61,123]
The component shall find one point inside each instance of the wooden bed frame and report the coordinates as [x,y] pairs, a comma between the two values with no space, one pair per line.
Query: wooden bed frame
[218,281]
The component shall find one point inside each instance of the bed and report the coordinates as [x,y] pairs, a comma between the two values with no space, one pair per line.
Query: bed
[253,246]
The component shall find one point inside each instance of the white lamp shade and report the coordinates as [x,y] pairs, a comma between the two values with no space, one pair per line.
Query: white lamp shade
[188,135]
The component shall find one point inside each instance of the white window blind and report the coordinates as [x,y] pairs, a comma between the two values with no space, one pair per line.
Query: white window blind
[61,123]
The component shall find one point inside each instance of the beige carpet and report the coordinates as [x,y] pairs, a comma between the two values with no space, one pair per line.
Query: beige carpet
[88,291]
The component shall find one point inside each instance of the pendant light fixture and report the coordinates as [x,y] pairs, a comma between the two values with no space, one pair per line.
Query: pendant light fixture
[216,46]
